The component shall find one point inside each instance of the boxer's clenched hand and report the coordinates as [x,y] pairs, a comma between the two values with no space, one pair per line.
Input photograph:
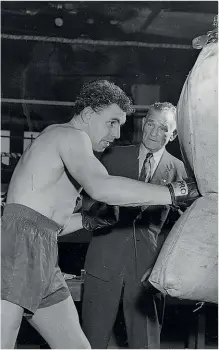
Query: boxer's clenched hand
[96,215]
[183,193]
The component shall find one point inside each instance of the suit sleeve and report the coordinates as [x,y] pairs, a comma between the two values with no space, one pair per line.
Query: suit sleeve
[181,172]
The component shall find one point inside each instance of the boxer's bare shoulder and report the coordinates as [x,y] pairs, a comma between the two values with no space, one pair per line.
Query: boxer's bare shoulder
[66,138]
[77,154]
[74,140]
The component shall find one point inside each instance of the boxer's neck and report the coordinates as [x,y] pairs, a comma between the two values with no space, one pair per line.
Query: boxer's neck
[78,123]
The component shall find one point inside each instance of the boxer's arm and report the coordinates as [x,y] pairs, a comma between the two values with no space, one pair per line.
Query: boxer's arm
[76,153]
[74,223]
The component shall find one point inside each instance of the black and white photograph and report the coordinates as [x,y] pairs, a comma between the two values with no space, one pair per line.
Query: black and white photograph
[109,175]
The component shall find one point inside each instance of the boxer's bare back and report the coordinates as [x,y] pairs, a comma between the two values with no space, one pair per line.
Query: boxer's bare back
[40,180]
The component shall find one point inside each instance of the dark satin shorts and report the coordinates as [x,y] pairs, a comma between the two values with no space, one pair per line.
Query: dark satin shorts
[30,276]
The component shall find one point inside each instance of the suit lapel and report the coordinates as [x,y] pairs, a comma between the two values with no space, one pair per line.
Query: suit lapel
[163,170]
[132,163]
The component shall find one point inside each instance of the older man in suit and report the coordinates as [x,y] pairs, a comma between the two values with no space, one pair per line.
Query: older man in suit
[118,258]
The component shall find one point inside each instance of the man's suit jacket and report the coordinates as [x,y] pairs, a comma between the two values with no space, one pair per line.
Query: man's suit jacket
[111,249]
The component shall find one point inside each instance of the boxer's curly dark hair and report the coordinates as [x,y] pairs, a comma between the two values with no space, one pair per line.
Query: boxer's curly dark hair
[99,94]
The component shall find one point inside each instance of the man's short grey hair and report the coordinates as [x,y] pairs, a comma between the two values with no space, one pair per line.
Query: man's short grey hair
[162,106]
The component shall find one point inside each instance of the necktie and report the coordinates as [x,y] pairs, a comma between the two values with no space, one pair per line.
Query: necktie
[145,174]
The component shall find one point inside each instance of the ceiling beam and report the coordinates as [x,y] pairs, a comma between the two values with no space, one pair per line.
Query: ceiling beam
[191,6]
[152,16]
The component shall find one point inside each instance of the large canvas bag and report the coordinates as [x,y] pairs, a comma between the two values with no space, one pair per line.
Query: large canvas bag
[187,264]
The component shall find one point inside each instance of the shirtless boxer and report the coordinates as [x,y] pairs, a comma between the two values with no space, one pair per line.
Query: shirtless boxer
[40,202]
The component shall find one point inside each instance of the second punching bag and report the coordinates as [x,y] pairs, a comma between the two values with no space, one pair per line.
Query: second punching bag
[187,264]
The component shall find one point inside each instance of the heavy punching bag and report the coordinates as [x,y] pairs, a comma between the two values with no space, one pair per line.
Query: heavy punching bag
[187,264]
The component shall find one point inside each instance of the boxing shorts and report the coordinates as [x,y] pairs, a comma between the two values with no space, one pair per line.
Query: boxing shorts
[30,276]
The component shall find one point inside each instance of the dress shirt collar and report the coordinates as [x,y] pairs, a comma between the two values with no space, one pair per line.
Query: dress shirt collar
[143,151]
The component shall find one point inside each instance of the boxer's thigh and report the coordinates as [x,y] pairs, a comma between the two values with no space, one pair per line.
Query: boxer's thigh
[59,326]
[11,316]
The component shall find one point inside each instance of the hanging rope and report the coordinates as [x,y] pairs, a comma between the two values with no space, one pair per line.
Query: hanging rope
[56,103]
[37,102]
[24,106]
[94,42]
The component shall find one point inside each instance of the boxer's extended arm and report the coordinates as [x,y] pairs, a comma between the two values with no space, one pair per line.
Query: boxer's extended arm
[75,150]
[98,215]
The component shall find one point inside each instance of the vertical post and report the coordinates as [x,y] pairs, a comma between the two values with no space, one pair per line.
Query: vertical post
[200,341]
[143,95]
[17,140]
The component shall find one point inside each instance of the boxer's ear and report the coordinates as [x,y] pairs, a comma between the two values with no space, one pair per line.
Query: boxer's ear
[173,135]
[86,114]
